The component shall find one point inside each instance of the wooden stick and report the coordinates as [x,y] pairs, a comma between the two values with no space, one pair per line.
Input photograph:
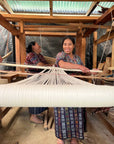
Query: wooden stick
[45,120]
[44,67]
[50,122]
[7,55]
[106,123]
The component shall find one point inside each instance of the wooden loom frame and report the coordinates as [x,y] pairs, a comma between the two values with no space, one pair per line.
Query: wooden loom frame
[79,31]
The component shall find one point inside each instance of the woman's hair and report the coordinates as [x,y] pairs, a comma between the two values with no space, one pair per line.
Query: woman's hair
[68,37]
[29,48]
[72,39]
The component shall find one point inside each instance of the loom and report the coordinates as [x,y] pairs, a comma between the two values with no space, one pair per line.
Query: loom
[55,88]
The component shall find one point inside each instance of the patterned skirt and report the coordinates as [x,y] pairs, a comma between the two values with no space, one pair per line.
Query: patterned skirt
[69,123]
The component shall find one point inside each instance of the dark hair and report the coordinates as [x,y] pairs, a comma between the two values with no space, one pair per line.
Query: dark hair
[68,37]
[29,48]
[72,39]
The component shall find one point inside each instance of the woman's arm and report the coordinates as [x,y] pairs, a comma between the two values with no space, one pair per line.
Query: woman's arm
[68,65]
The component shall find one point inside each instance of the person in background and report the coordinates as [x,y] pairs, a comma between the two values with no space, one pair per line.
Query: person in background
[1,59]
[69,121]
[35,58]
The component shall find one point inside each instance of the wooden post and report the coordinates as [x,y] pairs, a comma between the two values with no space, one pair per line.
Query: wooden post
[17,52]
[112,63]
[83,50]
[80,46]
[20,50]
[95,50]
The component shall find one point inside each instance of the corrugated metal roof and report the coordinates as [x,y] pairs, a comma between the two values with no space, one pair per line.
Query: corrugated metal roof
[29,6]
[70,7]
[59,7]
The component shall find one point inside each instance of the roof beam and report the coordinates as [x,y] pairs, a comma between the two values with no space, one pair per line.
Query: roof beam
[60,34]
[51,7]
[92,7]
[62,28]
[107,16]
[8,26]
[6,6]
[50,19]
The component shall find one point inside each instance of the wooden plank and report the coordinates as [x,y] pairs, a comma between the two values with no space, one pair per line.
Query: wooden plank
[59,34]
[49,19]
[22,48]
[112,63]
[17,52]
[50,122]
[83,49]
[46,120]
[107,16]
[95,50]
[21,26]
[67,26]
[4,112]
[106,123]
[51,7]
[52,29]
[8,26]
[9,117]
[6,6]
[79,50]
[92,7]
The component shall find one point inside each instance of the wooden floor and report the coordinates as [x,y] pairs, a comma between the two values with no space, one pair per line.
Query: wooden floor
[22,131]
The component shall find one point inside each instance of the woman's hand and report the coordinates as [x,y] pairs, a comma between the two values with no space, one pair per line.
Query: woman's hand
[84,69]
[1,59]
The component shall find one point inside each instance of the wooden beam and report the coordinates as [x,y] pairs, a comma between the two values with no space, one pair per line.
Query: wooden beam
[107,16]
[92,7]
[50,19]
[21,26]
[51,7]
[112,63]
[79,50]
[8,26]
[6,6]
[83,49]
[22,47]
[59,34]
[105,37]
[52,29]
[95,50]
[70,26]
[17,52]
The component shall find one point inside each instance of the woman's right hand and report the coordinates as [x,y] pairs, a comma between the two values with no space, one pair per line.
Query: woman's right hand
[84,69]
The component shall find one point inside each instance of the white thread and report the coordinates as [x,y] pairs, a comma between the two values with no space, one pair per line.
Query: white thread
[55,88]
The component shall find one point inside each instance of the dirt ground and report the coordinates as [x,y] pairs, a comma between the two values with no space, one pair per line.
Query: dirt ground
[22,131]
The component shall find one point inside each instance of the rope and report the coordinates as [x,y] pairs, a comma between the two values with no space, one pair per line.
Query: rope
[106,40]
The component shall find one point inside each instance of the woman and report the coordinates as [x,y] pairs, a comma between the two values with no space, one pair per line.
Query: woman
[69,121]
[1,59]
[35,58]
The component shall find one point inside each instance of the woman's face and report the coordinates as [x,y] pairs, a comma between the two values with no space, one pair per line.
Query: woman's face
[36,48]
[68,46]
